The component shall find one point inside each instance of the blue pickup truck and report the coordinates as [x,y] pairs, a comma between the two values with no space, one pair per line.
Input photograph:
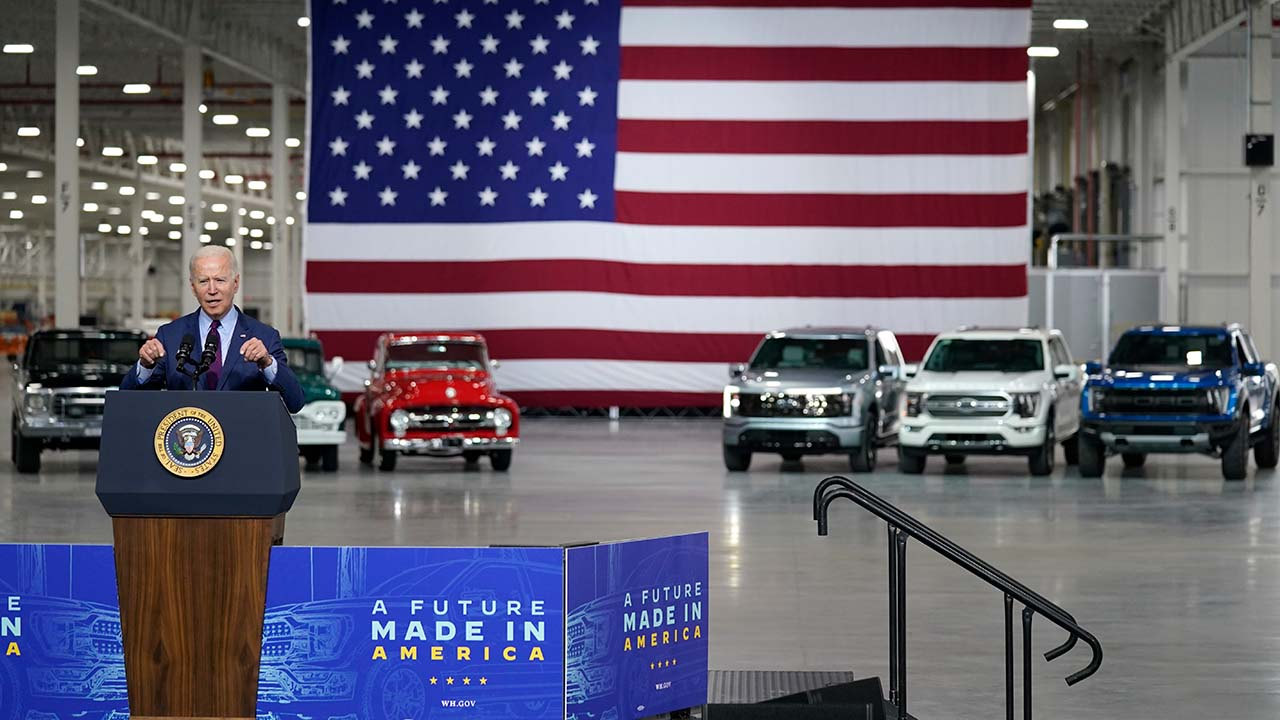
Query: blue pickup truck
[1180,389]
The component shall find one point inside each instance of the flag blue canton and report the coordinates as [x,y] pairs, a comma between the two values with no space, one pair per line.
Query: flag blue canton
[463,111]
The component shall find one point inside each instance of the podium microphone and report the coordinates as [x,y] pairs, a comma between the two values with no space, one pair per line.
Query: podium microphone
[184,351]
[207,355]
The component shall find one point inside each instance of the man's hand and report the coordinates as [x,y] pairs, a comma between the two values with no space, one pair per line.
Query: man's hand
[255,352]
[151,351]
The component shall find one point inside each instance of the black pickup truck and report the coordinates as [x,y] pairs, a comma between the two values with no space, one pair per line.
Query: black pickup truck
[60,387]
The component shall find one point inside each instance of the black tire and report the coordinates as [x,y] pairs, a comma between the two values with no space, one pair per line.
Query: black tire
[1134,459]
[863,460]
[500,460]
[386,460]
[954,459]
[471,457]
[1043,458]
[791,457]
[366,456]
[1071,449]
[736,460]
[1235,456]
[1267,452]
[329,458]
[312,456]
[910,463]
[1093,457]
[26,452]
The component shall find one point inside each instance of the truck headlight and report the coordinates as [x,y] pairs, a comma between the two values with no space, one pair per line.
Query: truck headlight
[731,401]
[1026,404]
[1218,398]
[326,412]
[1096,397]
[399,422]
[501,421]
[37,402]
[915,403]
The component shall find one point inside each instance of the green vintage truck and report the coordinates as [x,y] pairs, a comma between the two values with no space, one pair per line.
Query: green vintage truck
[320,421]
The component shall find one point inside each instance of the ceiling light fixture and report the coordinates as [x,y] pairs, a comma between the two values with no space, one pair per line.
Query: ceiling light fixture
[90,207]
[136,89]
[233,179]
[35,174]
[300,195]
[257,184]
[127,190]
[1042,52]
[292,142]
[207,174]
[104,227]
[257,132]
[218,207]
[148,159]
[304,21]
[177,167]
[176,199]
[15,214]
[225,120]
[28,131]
[203,108]
[39,199]
[19,49]
[112,151]
[99,185]
[1070,24]
[87,70]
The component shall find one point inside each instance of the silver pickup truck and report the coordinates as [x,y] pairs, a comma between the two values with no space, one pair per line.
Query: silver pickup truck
[811,391]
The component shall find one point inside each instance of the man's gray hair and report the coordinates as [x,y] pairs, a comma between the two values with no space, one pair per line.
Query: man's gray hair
[213,251]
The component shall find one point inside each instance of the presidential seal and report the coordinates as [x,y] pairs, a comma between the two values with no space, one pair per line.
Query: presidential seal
[189,442]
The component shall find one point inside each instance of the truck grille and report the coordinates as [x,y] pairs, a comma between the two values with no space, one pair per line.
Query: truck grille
[450,418]
[967,406]
[78,405]
[1158,402]
[791,406]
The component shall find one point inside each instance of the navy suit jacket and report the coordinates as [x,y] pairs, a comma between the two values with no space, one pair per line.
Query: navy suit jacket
[236,373]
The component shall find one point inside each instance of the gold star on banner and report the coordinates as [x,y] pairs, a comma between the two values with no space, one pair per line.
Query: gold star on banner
[466,681]
[435,681]
[650,666]
[448,681]
[673,662]
[484,681]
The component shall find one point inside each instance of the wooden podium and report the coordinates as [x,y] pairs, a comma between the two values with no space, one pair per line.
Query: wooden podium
[197,485]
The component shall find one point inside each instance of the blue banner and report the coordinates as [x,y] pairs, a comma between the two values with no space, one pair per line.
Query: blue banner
[61,655]
[400,633]
[637,628]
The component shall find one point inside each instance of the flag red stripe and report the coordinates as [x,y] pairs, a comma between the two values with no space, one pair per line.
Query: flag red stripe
[888,4]
[826,281]
[560,344]
[825,210]
[783,137]
[919,64]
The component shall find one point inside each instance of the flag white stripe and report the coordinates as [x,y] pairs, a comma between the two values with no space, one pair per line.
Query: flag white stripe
[843,101]
[648,313]
[824,27]
[592,375]
[481,242]
[874,174]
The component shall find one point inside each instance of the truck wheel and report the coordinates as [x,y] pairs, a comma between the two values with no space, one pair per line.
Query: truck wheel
[311,455]
[736,460]
[1267,452]
[1235,456]
[910,463]
[791,457]
[386,459]
[471,457]
[500,460]
[1134,460]
[1042,458]
[26,451]
[1071,449]
[1093,457]
[953,459]
[329,458]
[366,456]
[863,459]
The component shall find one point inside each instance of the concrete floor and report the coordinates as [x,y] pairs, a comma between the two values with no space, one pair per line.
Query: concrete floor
[1175,571]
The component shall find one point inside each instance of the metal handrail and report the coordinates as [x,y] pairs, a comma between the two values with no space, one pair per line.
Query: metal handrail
[900,527]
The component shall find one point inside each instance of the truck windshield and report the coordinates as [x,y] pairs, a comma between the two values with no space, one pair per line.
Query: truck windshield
[448,355]
[956,355]
[792,352]
[48,351]
[1209,350]
[306,360]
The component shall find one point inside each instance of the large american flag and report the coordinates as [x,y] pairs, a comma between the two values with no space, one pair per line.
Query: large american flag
[623,197]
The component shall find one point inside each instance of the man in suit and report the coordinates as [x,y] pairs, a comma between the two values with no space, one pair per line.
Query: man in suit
[249,356]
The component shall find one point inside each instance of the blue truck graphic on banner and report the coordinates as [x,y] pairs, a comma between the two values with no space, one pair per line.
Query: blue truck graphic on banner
[637,628]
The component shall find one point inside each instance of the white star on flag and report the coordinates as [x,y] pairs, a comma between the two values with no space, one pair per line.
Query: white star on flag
[410,170]
[537,198]
[585,147]
[365,69]
[511,121]
[564,21]
[587,199]
[488,96]
[463,68]
[560,121]
[362,170]
[414,18]
[340,45]
[414,69]
[388,95]
[513,68]
[440,45]
[337,196]
[459,170]
[437,146]
[364,19]
[538,96]
[388,196]
[489,44]
[540,45]
[340,95]
[487,196]
[562,70]
[338,146]
[559,171]
[437,197]
[464,19]
[587,96]
[514,20]
[509,170]
[535,146]
[386,146]
[364,120]
[486,146]
[413,119]
[589,45]
[439,96]
[388,45]
[462,119]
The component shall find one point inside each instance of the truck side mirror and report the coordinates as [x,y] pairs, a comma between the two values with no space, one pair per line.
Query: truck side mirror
[889,371]
[736,370]
[1254,369]
[909,370]
[1093,368]
[335,367]
[494,364]
[373,365]
[1062,372]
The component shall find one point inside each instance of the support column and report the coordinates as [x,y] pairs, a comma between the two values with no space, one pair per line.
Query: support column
[281,275]
[1139,120]
[1260,121]
[299,272]
[66,221]
[137,259]
[192,153]
[238,249]
[1172,230]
